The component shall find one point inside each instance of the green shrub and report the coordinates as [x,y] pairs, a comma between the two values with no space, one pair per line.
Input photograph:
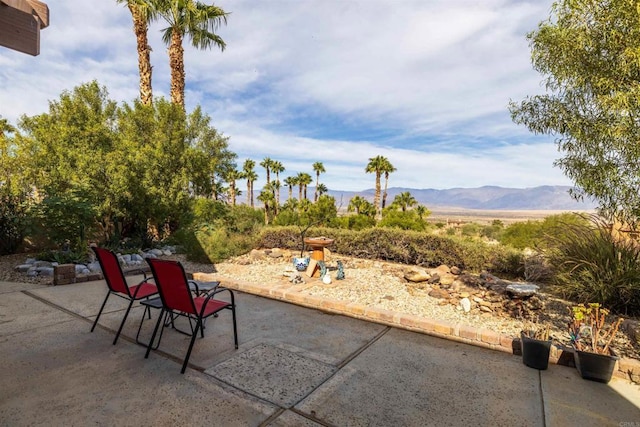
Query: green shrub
[493,231]
[407,247]
[354,222]
[404,220]
[212,243]
[590,264]
[14,220]
[522,235]
[528,234]
[64,257]
[471,230]
[66,217]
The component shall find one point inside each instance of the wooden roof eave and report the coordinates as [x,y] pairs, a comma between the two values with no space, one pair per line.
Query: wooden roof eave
[32,7]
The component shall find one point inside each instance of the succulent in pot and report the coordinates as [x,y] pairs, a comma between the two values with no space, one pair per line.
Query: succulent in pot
[591,335]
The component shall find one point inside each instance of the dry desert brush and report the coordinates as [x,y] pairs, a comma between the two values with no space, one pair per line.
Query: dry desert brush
[590,263]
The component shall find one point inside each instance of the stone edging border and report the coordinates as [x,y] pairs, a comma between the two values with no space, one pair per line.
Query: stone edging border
[628,369]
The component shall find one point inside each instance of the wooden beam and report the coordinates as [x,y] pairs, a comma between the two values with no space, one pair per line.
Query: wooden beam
[19,30]
[40,9]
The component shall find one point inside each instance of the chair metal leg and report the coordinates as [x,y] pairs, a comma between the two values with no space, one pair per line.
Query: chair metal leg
[235,329]
[155,331]
[193,340]
[124,319]
[95,322]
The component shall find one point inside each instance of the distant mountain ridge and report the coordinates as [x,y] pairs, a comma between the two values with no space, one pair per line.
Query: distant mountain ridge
[547,197]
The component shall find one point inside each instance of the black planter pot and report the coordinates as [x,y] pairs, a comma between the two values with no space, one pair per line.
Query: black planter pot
[594,366]
[535,353]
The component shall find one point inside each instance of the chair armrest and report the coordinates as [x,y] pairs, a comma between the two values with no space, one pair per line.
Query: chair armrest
[202,288]
[215,291]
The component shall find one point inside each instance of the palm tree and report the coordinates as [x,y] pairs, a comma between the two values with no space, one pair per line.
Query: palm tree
[188,18]
[231,176]
[275,187]
[304,179]
[277,168]
[422,211]
[356,204]
[377,165]
[267,164]
[387,169]
[290,181]
[266,197]
[322,189]
[250,175]
[404,201]
[318,168]
[142,13]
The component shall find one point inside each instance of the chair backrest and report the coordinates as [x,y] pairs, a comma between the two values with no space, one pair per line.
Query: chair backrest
[172,284]
[111,270]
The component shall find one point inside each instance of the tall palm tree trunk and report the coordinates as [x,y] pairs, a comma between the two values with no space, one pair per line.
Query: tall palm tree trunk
[144,56]
[376,197]
[176,63]
[384,194]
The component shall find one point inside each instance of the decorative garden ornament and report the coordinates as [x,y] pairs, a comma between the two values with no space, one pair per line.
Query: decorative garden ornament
[340,273]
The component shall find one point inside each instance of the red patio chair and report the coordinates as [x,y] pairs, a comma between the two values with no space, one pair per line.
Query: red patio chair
[114,276]
[178,300]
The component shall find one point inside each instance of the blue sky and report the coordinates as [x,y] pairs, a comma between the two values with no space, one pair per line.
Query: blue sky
[424,83]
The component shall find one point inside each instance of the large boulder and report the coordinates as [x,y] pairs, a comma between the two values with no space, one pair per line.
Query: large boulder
[416,275]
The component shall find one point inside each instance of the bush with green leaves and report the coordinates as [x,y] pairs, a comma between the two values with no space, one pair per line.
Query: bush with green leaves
[354,222]
[528,234]
[14,223]
[404,220]
[407,247]
[212,230]
[590,264]
[66,218]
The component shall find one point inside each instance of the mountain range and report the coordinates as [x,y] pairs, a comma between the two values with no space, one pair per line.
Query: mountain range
[548,197]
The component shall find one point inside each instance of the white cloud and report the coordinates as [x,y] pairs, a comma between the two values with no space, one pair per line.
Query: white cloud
[424,83]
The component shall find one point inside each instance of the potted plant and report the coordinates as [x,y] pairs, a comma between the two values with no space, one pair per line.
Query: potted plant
[591,336]
[536,345]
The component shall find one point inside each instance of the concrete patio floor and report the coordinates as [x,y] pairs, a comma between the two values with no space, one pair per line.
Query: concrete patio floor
[295,367]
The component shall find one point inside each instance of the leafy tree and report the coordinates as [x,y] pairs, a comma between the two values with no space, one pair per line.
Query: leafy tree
[589,53]
[209,155]
[142,12]
[190,18]
[155,166]
[318,168]
[8,168]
